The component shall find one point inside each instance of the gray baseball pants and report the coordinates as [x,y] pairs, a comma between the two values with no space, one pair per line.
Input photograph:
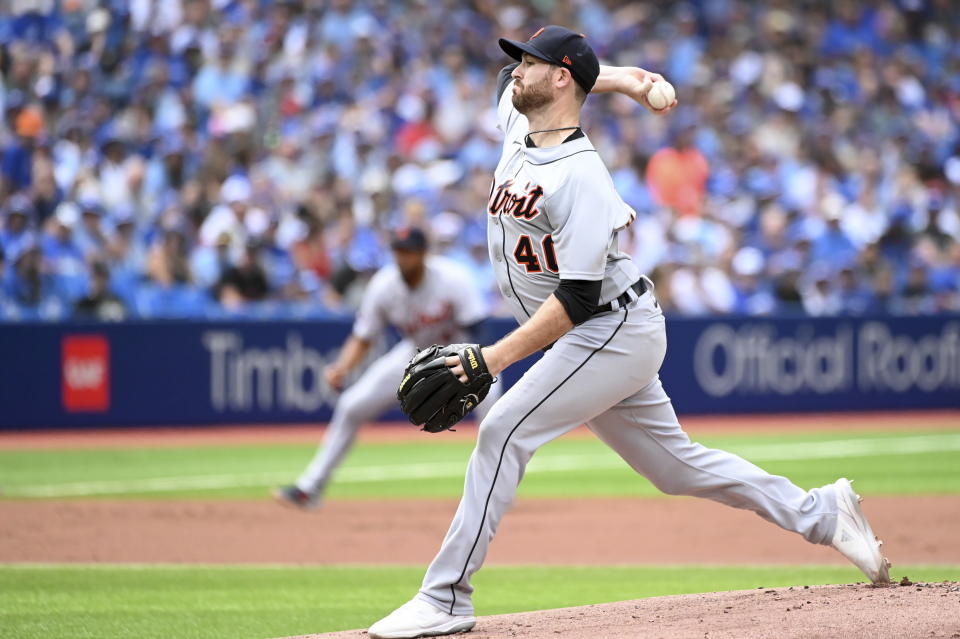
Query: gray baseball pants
[604,373]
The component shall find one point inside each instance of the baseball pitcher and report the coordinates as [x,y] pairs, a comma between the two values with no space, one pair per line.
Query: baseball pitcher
[554,222]
[427,298]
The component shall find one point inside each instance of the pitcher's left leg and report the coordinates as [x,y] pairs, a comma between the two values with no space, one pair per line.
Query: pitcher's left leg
[644,430]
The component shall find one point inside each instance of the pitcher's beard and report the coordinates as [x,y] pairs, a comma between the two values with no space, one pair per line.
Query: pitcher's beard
[533,97]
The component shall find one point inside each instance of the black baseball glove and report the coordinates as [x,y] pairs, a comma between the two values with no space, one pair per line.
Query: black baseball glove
[432,396]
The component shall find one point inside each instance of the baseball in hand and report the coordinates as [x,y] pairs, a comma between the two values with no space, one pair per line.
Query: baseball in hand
[661,95]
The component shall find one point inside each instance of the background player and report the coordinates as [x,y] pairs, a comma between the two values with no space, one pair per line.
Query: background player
[429,299]
[554,218]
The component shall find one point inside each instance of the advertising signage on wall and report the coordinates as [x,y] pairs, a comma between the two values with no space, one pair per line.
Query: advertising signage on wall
[813,364]
[287,376]
[869,357]
[85,373]
[64,375]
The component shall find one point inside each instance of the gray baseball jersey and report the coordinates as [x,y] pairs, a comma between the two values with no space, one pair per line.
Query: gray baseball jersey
[554,214]
[432,313]
[533,236]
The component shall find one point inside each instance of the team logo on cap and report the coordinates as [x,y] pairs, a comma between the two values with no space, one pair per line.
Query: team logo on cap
[566,60]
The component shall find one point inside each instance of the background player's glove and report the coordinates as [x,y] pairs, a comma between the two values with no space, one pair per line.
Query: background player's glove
[432,396]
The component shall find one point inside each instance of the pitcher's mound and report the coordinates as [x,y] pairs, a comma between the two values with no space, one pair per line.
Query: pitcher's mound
[823,612]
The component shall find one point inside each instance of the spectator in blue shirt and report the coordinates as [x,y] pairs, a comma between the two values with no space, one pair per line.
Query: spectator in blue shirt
[17,223]
[856,298]
[218,80]
[833,246]
[27,284]
[60,250]
[89,233]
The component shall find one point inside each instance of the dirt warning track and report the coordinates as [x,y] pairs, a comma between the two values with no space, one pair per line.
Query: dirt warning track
[698,425]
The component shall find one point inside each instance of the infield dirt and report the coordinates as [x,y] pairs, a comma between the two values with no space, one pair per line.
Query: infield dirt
[818,612]
[916,529]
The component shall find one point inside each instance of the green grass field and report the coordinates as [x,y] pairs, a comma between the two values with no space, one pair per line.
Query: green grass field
[106,601]
[205,602]
[883,463]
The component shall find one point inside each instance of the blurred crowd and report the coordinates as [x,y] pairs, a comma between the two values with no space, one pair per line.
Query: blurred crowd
[221,158]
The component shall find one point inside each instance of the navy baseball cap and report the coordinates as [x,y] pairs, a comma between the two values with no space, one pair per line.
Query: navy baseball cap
[409,239]
[562,47]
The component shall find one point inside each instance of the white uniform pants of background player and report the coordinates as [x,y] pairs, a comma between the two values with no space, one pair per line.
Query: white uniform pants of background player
[365,400]
[604,373]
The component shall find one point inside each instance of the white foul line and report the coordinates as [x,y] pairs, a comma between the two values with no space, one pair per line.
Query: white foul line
[544,462]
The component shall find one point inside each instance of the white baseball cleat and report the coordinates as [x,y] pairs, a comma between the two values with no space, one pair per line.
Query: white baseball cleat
[855,539]
[419,619]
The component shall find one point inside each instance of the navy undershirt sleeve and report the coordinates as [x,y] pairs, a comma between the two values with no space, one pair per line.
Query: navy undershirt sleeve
[579,298]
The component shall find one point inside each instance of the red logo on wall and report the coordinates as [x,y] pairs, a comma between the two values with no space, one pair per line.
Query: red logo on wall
[86,373]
